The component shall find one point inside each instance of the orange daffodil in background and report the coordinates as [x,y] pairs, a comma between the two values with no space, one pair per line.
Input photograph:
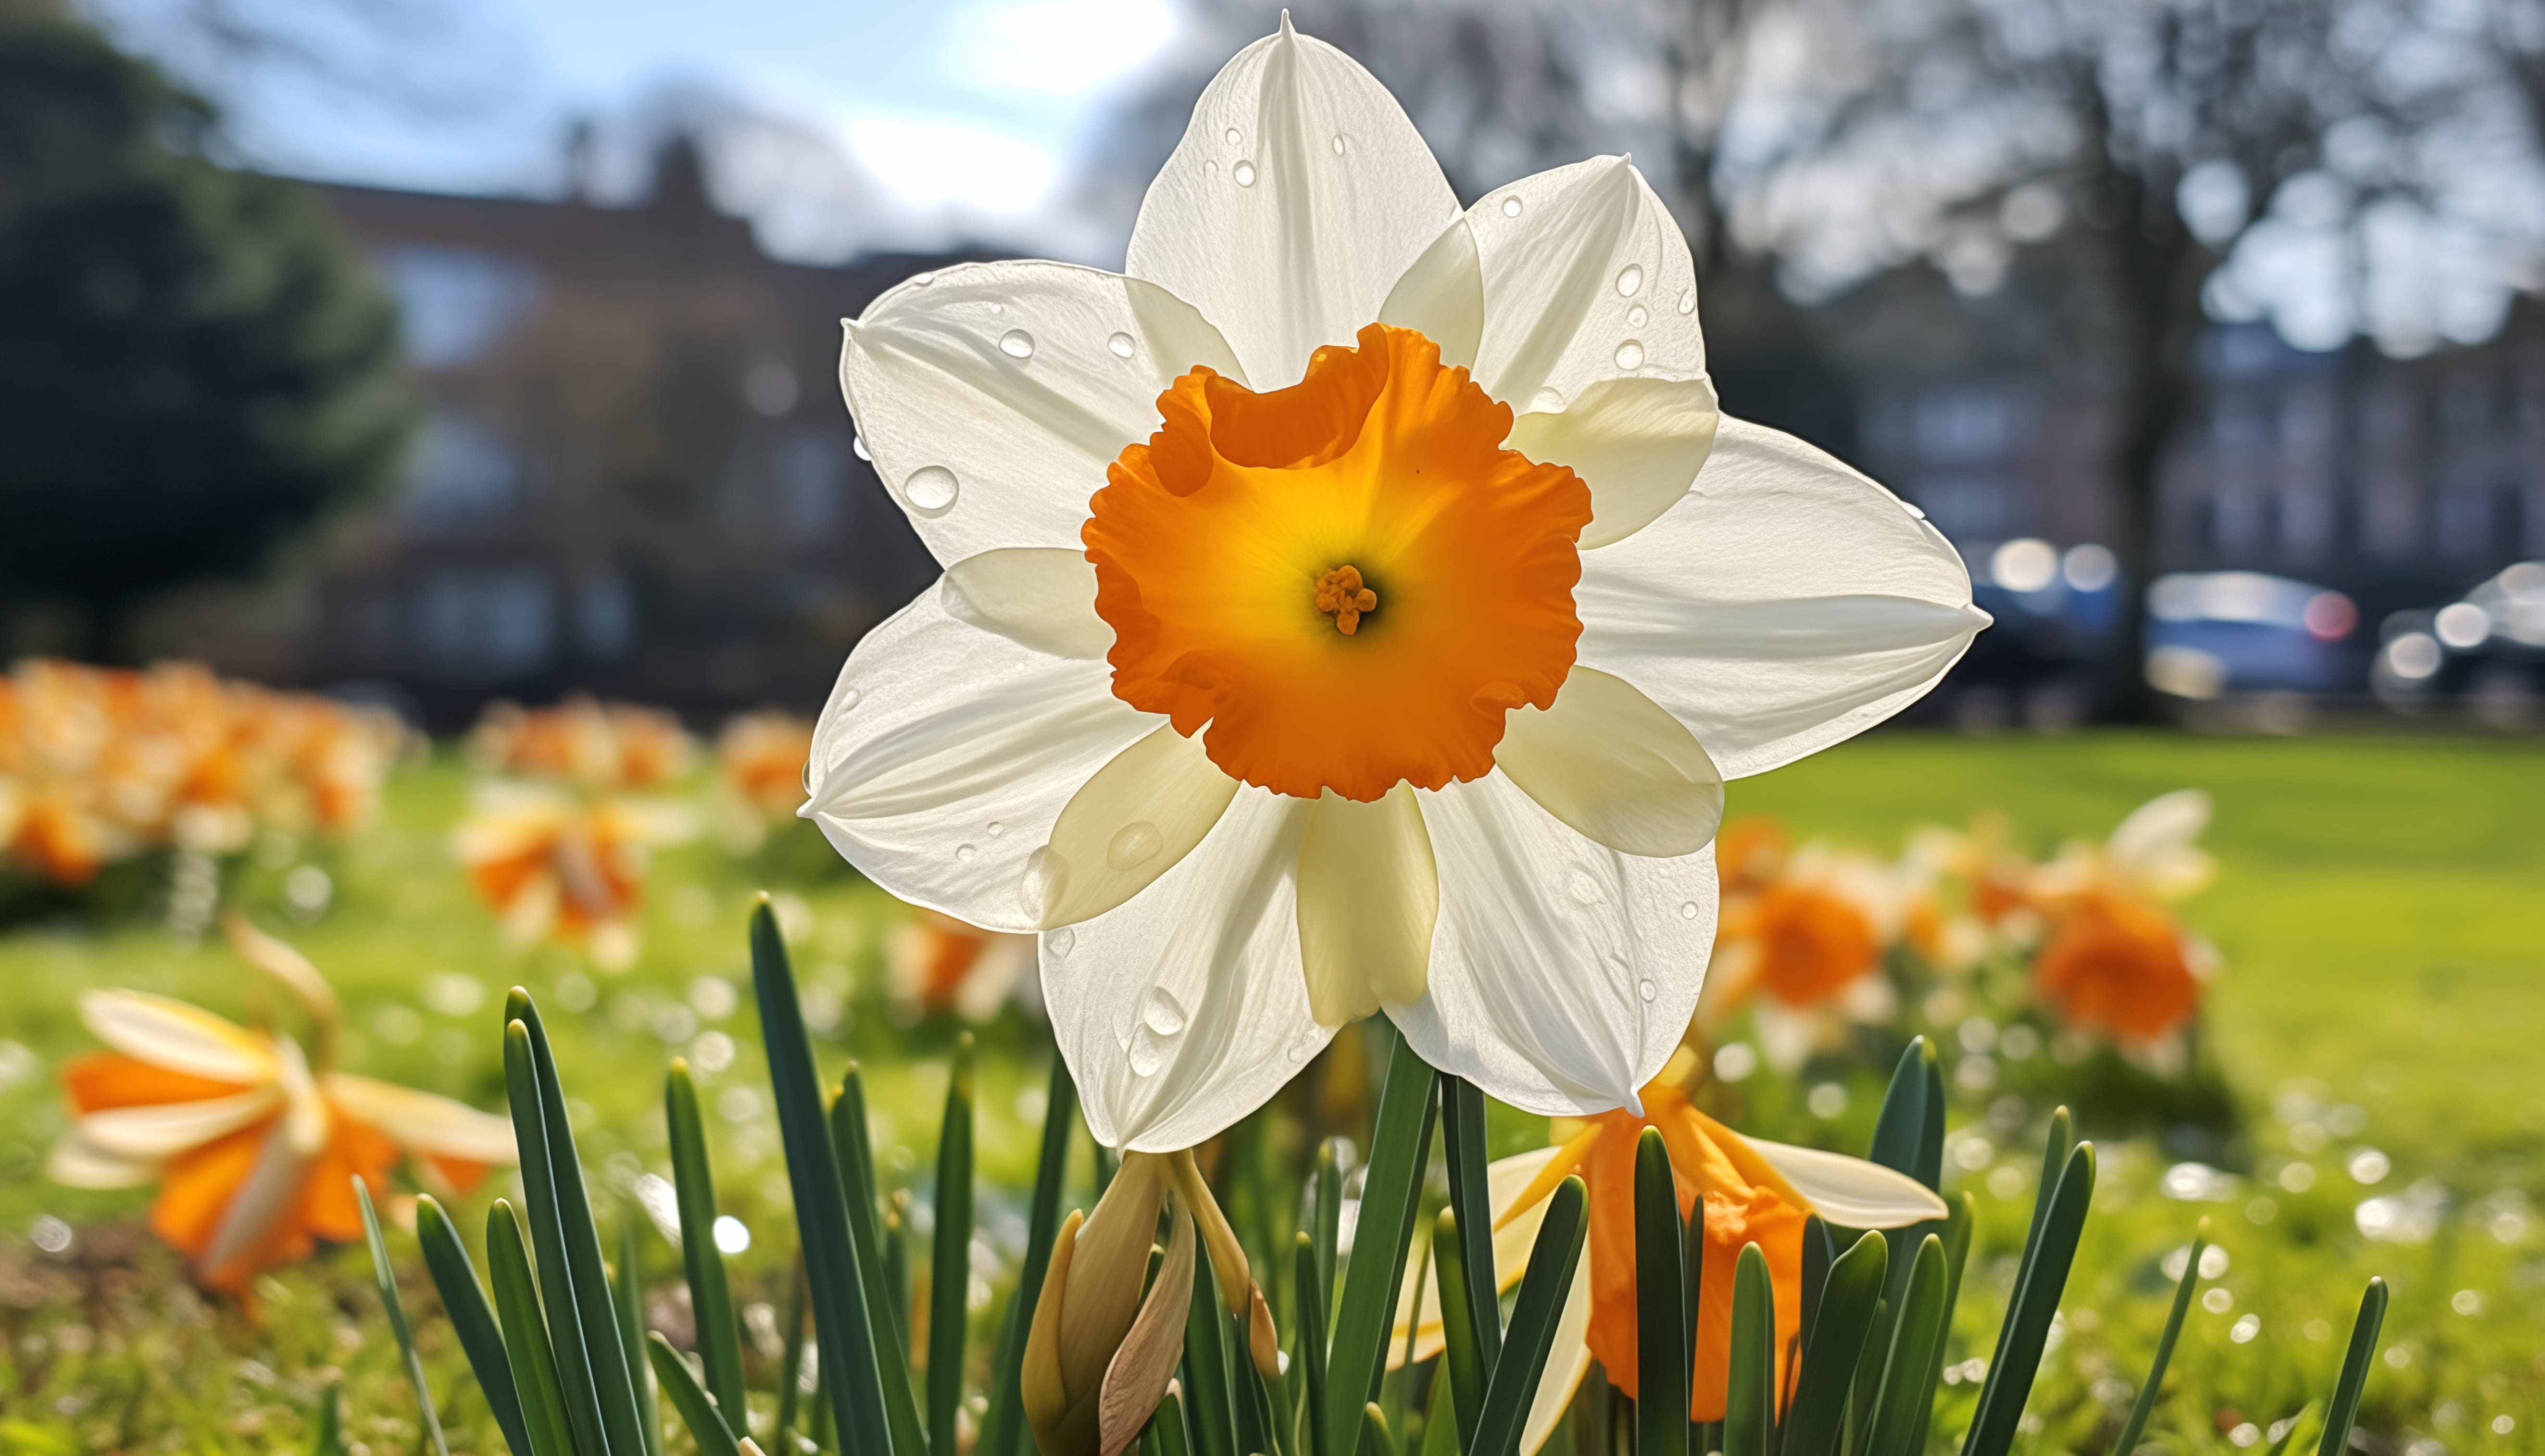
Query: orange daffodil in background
[1358,603]
[1802,941]
[1752,1192]
[934,962]
[2114,959]
[254,1143]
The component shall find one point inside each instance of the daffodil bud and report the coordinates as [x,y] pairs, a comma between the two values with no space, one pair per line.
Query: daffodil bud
[1099,1354]
[1262,1342]
[1227,1257]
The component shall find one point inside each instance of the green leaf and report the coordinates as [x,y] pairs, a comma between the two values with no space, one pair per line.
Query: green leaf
[1962,1217]
[1462,1131]
[883,1263]
[1464,1367]
[1328,1231]
[790,1365]
[384,1279]
[560,1204]
[2343,1411]
[1374,1421]
[627,1292]
[2059,1222]
[843,1318]
[1207,1392]
[472,1318]
[1061,1113]
[2145,1405]
[1750,1398]
[698,1410]
[578,1388]
[720,1335]
[1167,1423]
[329,1438]
[1530,1335]
[1896,1405]
[1840,1331]
[1663,1359]
[1309,1287]
[525,1338]
[1400,1147]
[950,1279]
[1900,1132]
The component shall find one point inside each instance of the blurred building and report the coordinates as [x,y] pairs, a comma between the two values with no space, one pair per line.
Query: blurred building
[637,478]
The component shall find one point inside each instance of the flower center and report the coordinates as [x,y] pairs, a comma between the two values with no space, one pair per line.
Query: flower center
[1239,556]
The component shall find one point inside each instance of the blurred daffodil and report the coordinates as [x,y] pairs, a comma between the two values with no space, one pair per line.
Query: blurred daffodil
[1801,943]
[1359,604]
[553,865]
[934,962]
[2116,959]
[1968,891]
[253,1142]
[1751,1191]
[759,775]
[602,746]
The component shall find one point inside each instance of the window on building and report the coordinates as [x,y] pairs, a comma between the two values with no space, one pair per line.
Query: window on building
[464,474]
[454,301]
[1966,422]
[1964,507]
[487,621]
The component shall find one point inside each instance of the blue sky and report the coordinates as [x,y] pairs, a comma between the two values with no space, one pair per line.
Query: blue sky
[965,110]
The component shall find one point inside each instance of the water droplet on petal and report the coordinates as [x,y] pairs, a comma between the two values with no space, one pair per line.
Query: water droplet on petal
[1630,279]
[1511,206]
[1688,301]
[1016,344]
[1647,990]
[1210,169]
[849,699]
[1584,888]
[997,829]
[922,279]
[1162,1013]
[1146,1057]
[1630,355]
[1339,143]
[1546,401]
[1688,910]
[966,853]
[931,490]
[1134,845]
[1234,136]
[1121,345]
[1636,317]
[1062,941]
[1244,172]
[858,448]
[1047,879]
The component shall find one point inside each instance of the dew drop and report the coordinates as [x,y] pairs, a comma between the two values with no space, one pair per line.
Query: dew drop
[1146,1057]
[1630,355]
[849,697]
[1046,881]
[966,853]
[1162,1013]
[1913,513]
[1584,888]
[1339,143]
[1546,401]
[1134,845]
[931,490]
[858,448]
[1234,136]
[1244,172]
[1636,317]
[1630,279]
[1688,301]
[1062,941]
[1307,1046]
[1511,206]
[997,829]
[1016,344]
[1687,910]
[1647,990]
[1210,169]
[922,279]
[1121,346]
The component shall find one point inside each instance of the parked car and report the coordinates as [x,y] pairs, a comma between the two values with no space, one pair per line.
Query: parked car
[2487,647]
[2216,633]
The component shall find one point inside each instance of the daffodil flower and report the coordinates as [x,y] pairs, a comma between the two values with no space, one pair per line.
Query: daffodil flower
[937,963]
[2115,958]
[553,865]
[1358,602]
[1801,939]
[1751,1191]
[254,1147]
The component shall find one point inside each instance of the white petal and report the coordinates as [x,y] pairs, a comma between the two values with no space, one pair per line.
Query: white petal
[946,752]
[267,1195]
[1369,895]
[1134,819]
[1568,1359]
[1783,603]
[1037,596]
[422,1122]
[1850,1192]
[1442,296]
[2159,847]
[1290,235]
[76,1162]
[1562,971]
[993,396]
[150,1133]
[1183,1010]
[1566,269]
[1637,444]
[180,1037]
[1608,761]
[1505,1179]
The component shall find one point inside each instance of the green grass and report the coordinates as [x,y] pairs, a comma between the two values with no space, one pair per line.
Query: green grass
[2380,906]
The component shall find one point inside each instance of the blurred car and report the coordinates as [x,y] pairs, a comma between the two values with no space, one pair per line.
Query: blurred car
[2487,646]
[2054,611]
[2215,634]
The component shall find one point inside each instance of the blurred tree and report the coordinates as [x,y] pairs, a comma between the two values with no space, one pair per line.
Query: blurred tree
[2339,166]
[195,364]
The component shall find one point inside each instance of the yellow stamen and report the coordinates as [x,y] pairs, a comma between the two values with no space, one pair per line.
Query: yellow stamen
[1557,1169]
[1342,595]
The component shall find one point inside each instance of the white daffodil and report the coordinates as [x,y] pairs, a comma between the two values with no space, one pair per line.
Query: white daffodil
[1358,603]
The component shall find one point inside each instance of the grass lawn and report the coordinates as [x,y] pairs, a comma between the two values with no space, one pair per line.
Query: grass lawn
[2380,905]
